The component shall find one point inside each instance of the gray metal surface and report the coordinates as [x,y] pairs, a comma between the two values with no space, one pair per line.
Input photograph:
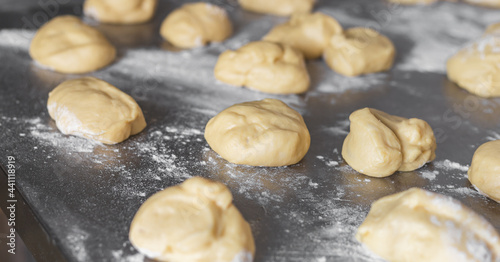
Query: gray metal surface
[85,194]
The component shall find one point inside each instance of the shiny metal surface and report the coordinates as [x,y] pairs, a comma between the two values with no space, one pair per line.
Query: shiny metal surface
[85,194]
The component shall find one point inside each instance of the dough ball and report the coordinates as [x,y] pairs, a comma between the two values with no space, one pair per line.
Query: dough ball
[259,133]
[65,44]
[484,172]
[359,51]
[308,33]
[417,225]
[278,7]
[487,3]
[264,66]
[120,11]
[94,109]
[413,2]
[380,144]
[196,24]
[475,67]
[194,221]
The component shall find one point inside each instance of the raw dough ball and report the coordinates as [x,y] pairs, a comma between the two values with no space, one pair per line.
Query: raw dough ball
[194,221]
[278,7]
[484,172]
[264,66]
[380,144]
[308,33]
[120,11]
[67,45]
[417,225]
[196,24]
[94,109]
[475,67]
[359,51]
[413,2]
[259,133]
[488,3]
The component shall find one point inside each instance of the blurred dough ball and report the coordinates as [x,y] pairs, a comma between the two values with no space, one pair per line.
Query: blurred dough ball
[417,225]
[380,144]
[264,66]
[358,51]
[120,11]
[484,172]
[487,3]
[196,24]
[193,221]
[309,33]
[65,44]
[259,133]
[475,67]
[278,7]
[91,108]
[413,2]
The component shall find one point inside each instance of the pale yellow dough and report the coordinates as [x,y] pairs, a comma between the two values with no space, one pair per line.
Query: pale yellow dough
[194,221]
[309,33]
[278,7]
[120,11]
[259,133]
[94,109]
[196,24]
[65,44]
[264,66]
[488,3]
[476,68]
[417,225]
[359,51]
[484,172]
[380,144]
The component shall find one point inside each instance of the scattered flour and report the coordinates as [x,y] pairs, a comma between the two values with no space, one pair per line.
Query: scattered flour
[449,165]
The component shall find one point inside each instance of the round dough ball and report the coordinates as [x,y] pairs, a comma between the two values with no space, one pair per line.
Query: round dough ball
[196,24]
[417,225]
[65,44]
[194,221]
[278,7]
[380,144]
[475,67]
[493,29]
[91,108]
[358,51]
[259,133]
[484,172]
[264,66]
[119,11]
[487,3]
[308,33]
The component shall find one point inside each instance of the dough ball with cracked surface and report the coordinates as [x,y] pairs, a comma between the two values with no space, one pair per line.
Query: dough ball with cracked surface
[193,221]
[92,108]
[278,7]
[264,66]
[380,144]
[358,51]
[65,44]
[120,11]
[484,171]
[309,33]
[417,225]
[259,133]
[196,24]
[475,67]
